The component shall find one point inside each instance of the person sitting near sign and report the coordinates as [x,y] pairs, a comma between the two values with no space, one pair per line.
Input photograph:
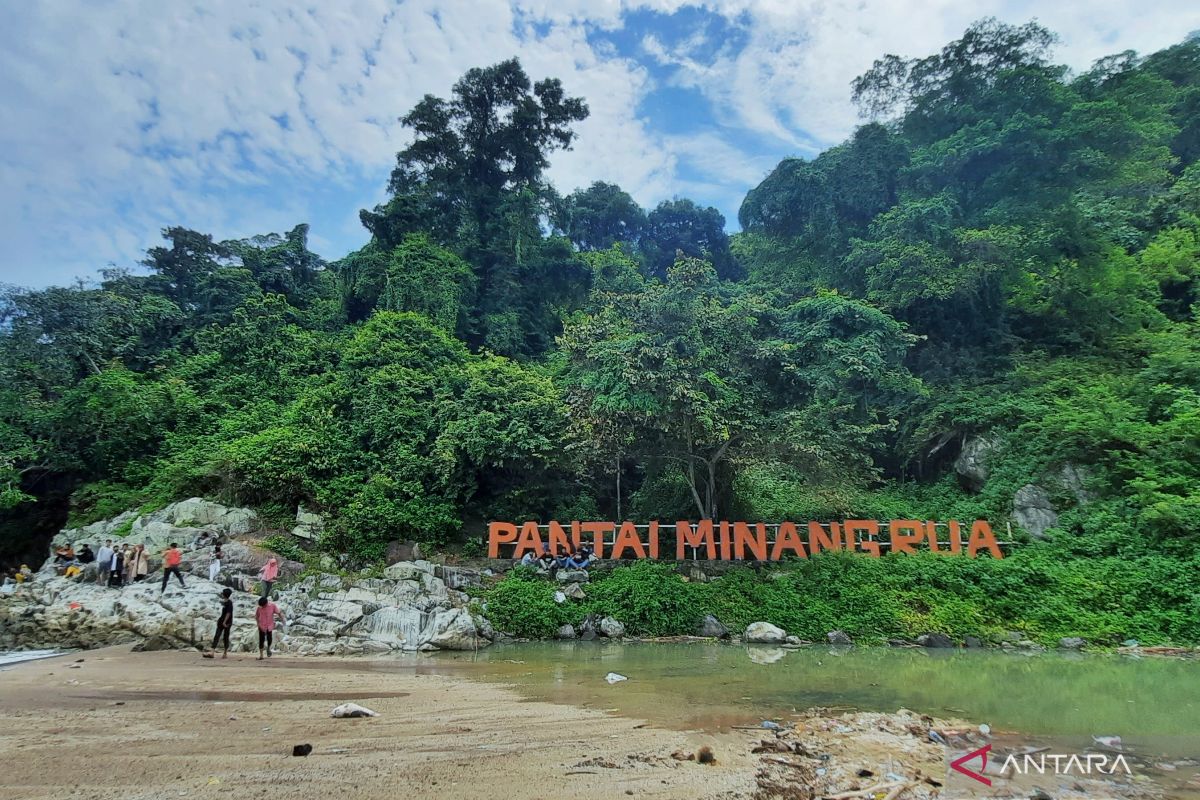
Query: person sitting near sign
[580,560]
[545,561]
[562,559]
[528,560]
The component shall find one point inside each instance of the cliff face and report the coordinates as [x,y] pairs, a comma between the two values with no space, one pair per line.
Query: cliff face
[408,608]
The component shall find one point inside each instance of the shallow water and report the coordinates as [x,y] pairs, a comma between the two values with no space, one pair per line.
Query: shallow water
[1058,698]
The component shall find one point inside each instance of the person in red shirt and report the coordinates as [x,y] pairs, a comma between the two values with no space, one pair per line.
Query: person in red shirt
[265,614]
[172,558]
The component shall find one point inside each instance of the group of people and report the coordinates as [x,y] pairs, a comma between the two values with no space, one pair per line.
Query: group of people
[265,615]
[115,566]
[552,561]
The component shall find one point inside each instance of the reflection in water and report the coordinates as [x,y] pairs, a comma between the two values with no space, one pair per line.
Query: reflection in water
[1154,704]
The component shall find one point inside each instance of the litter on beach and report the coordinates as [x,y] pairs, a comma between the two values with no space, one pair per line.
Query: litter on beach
[348,710]
[614,677]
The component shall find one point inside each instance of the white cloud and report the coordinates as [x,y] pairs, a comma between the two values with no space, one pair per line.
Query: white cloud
[241,117]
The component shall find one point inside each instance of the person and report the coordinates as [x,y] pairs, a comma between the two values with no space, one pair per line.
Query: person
[545,560]
[172,558]
[561,558]
[23,574]
[141,563]
[127,573]
[268,574]
[116,577]
[86,556]
[214,565]
[579,560]
[224,622]
[64,554]
[265,615]
[104,563]
[528,560]
[73,569]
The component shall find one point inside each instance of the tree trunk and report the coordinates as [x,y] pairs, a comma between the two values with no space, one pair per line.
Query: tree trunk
[619,489]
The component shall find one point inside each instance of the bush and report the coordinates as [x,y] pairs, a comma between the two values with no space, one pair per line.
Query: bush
[523,605]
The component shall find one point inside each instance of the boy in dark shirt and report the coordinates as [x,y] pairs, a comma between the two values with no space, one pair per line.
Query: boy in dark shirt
[224,622]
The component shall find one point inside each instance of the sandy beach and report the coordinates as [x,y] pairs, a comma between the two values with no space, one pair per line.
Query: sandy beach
[171,724]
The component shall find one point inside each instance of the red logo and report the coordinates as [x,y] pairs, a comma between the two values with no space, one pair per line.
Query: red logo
[982,753]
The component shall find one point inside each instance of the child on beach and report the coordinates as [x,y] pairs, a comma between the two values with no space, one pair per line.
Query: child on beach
[265,614]
[224,622]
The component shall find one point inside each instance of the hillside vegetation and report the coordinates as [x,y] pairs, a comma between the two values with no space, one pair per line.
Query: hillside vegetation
[1004,258]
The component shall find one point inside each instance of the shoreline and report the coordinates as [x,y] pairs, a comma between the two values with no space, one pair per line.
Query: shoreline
[170,723]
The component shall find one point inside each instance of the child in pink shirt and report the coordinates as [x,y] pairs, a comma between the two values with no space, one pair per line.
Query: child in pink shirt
[265,614]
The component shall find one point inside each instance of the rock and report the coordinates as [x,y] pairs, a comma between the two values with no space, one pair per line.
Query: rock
[1033,510]
[402,551]
[351,710]
[560,597]
[156,642]
[712,627]
[839,637]
[566,632]
[587,635]
[1071,643]
[972,642]
[615,677]
[611,628]
[764,633]
[1028,644]
[572,576]
[574,591]
[971,465]
[1074,478]
[935,640]
[409,571]
[309,525]
[795,641]
[301,750]
[454,630]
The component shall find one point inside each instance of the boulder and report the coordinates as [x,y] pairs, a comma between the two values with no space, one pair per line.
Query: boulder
[409,571]
[566,632]
[971,466]
[1071,643]
[156,642]
[574,591]
[572,576]
[764,633]
[309,525]
[454,630]
[611,628]
[972,642]
[712,627]
[935,640]
[839,637]
[1074,478]
[402,551]
[1033,510]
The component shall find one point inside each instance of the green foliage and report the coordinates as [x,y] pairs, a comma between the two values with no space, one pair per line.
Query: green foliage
[523,605]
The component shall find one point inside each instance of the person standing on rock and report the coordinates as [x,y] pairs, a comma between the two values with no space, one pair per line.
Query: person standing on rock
[214,566]
[265,615]
[224,622]
[141,563]
[127,552]
[268,574]
[116,576]
[172,558]
[104,558]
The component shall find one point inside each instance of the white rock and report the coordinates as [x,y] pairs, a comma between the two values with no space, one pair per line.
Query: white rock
[764,633]
[346,710]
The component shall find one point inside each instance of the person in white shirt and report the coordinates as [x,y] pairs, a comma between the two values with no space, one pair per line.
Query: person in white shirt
[104,558]
[214,566]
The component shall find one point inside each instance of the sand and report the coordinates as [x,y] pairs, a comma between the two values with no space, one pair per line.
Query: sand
[171,724]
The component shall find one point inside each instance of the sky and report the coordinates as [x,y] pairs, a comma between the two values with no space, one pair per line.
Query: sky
[243,117]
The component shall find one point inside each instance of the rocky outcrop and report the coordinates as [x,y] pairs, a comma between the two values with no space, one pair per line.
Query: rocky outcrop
[839,637]
[935,640]
[1033,510]
[611,628]
[309,525]
[764,633]
[409,608]
[712,627]
[971,466]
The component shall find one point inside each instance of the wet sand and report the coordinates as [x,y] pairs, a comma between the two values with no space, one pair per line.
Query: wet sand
[171,724]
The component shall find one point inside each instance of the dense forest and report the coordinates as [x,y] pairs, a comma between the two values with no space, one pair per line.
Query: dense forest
[1002,262]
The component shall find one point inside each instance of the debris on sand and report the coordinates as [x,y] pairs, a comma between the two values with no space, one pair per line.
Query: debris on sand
[301,750]
[347,710]
[615,677]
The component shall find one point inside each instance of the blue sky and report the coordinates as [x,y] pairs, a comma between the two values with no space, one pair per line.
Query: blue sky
[238,118]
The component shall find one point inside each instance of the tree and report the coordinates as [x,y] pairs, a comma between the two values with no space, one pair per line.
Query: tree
[601,215]
[682,227]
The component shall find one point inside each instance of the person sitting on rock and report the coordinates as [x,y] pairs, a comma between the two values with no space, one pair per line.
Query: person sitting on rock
[86,556]
[64,555]
[528,560]
[580,560]
[265,616]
